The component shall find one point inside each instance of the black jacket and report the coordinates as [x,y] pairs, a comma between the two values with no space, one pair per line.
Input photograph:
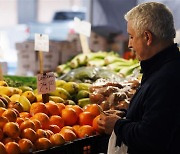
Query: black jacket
[152,124]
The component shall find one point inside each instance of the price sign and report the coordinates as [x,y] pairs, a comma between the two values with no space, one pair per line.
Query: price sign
[41,42]
[46,83]
[82,27]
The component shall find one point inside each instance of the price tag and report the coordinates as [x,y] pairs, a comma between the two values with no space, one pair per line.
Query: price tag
[82,27]
[46,83]
[41,42]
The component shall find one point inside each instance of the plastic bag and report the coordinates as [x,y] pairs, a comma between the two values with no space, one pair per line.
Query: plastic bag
[113,149]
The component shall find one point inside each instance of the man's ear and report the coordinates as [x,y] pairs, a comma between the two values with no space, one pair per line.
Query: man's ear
[148,37]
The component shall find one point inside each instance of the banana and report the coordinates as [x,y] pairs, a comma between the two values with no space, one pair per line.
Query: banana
[84,86]
[56,99]
[61,93]
[6,90]
[6,97]
[38,97]
[29,95]
[25,103]
[3,83]
[71,87]
[15,97]
[25,88]
[83,102]
[17,91]
[60,83]
[82,94]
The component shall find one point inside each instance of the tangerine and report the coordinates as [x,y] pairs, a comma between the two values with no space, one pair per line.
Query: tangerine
[93,109]
[10,114]
[11,129]
[54,128]
[25,115]
[86,118]
[70,117]
[12,147]
[49,133]
[76,129]
[78,109]
[27,124]
[95,124]
[2,109]
[52,108]
[1,134]
[43,143]
[2,148]
[26,146]
[43,119]
[30,134]
[38,108]
[57,139]
[37,124]
[61,106]
[67,127]
[19,120]
[3,121]
[56,120]
[41,133]
[86,130]
[68,135]
[8,139]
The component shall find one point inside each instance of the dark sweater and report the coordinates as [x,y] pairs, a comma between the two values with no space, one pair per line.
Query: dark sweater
[152,124]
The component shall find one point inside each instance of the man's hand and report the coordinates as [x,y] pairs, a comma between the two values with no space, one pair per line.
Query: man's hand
[107,121]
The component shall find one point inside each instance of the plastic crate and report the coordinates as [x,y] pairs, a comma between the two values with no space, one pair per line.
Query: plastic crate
[89,145]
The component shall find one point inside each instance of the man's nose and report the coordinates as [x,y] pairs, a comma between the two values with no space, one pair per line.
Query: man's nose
[129,45]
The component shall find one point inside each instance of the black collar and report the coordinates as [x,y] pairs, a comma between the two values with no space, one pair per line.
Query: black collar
[155,62]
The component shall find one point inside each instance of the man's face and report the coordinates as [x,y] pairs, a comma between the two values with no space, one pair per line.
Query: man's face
[137,43]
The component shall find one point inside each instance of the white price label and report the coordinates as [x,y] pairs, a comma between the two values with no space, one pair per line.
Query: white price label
[82,27]
[46,83]
[41,42]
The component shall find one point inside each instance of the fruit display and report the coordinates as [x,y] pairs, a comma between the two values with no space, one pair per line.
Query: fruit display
[110,60]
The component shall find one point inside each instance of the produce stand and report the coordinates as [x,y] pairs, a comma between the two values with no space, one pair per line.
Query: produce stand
[89,145]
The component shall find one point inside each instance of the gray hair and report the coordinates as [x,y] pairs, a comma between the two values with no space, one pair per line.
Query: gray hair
[152,16]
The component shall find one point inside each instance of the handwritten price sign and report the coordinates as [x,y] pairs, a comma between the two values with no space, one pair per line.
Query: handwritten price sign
[41,42]
[46,83]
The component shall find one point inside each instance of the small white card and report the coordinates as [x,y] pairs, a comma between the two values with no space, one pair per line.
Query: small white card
[82,27]
[46,83]
[41,42]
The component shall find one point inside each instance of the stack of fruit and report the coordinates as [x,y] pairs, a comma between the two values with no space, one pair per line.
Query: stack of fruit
[27,127]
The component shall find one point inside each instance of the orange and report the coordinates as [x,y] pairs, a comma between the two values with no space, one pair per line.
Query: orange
[15,105]
[11,129]
[10,114]
[86,130]
[95,124]
[56,120]
[43,119]
[43,143]
[93,109]
[41,133]
[86,118]
[61,106]
[19,120]
[38,108]
[1,134]
[78,109]
[2,109]
[26,146]
[70,117]
[57,139]
[8,139]
[54,128]
[49,133]
[67,127]
[27,124]
[76,129]
[30,134]
[37,124]
[52,108]
[2,148]
[12,148]
[68,135]
[25,115]
[3,121]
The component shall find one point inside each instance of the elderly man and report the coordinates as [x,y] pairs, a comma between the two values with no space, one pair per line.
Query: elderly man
[152,123]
